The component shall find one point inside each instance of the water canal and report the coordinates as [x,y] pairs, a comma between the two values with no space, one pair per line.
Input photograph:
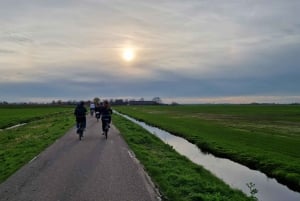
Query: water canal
[232,173]
[15,126]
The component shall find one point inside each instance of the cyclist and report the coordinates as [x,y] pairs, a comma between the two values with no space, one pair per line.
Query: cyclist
[92,108]
[80,112]
[106,113]
[98,109]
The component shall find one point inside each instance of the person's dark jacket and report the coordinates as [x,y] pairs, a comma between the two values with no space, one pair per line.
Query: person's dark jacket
[106,113]
[80,112]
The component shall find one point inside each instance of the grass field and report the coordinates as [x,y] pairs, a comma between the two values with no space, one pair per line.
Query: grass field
[20,145]
[177,178]
[264,137]
[15,114]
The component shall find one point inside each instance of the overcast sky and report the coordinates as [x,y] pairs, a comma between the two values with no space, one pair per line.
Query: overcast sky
[185,51]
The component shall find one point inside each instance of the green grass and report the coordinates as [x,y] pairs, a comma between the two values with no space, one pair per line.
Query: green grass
[177,178]
[15,114]
[264,137]
[20,145]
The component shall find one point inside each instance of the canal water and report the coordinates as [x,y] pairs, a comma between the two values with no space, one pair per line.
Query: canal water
[232,173]
[12,127]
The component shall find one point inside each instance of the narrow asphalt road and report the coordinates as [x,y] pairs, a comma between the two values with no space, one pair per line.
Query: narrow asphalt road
[94,169]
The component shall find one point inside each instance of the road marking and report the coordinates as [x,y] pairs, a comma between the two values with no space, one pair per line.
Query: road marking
[131,154]
[33,159]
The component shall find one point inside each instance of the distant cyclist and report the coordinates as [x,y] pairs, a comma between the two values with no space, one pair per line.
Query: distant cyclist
[92,108]
[80,113]
[106,113]
[98,109]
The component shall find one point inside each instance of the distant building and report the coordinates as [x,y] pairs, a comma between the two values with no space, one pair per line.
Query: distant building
[120,102]
[142,102]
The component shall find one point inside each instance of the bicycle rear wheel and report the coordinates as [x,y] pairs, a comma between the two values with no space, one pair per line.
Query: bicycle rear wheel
[105,125]
[80,133]
[106,131]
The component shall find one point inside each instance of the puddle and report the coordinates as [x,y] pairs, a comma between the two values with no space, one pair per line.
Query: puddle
[232,173]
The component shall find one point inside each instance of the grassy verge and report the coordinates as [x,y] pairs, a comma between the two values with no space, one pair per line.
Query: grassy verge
[262,137]
[20,145]
[177,178]
[15,114]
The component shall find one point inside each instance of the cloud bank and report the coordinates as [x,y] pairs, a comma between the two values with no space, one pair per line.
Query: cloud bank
[185,50]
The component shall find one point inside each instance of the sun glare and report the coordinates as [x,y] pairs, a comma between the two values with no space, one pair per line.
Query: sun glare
[128,54]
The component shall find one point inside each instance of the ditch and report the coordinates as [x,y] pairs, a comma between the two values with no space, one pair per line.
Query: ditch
[232,173]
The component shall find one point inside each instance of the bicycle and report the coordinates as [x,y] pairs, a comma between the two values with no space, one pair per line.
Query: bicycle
[80,130]
[106,126]
[97,114]
[92,112]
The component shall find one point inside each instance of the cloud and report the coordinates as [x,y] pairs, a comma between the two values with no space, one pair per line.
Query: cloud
[184,49]
[6,51]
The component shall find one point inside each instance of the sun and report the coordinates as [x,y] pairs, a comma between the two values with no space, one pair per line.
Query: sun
[128,54]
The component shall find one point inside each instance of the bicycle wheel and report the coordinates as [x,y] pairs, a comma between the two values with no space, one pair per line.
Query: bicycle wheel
[80,133]
[106,131]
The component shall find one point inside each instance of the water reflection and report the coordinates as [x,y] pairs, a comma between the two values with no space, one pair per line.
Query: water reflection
[12,127]
[234,174]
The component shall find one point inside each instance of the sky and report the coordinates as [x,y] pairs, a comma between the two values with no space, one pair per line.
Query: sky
[192,51]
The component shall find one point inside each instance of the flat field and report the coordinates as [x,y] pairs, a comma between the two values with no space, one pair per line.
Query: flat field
[263,137]
[19,145]
[16,114]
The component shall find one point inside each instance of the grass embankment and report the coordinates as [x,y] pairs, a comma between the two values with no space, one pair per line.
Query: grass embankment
[177,178]
[20,145]
[264,137]
[16,114]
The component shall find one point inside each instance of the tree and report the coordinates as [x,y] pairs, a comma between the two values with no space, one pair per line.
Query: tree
[157,100]
[96,100]
[174,103]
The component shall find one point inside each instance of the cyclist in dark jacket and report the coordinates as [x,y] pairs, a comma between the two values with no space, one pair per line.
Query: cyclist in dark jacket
[80,113]
[98,109]
[106,113]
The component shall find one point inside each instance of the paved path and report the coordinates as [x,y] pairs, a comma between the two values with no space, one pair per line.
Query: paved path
[89,170]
